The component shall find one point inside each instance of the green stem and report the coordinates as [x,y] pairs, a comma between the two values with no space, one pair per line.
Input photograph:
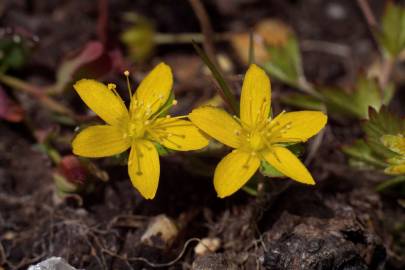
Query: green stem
[391,182]
[163,38]
[34,91]
[224,88]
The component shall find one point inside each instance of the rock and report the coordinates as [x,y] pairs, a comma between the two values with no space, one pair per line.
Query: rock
[215,261]
[336,11]
[207,245]
[325,232]
[53,263]
[161,232]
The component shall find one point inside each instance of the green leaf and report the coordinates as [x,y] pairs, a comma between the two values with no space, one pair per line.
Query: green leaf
[162,151]
[361,151]
[92,51]
[379,124]
[303,101]
[164,110]
[226,92]
[13,54]
[139,41]
[285,64]
[268,170]
[392,34]
[298,149]
[391,183]
[62,184]
[365,94]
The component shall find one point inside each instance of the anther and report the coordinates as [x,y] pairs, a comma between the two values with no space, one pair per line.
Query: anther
[174,102]
[126,73]
[111,86]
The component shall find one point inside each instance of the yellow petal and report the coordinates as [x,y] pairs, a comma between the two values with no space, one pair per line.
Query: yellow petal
[144,168]
[233,171]
[218,124]
[288,164]
[395,143]
[176,134]
[154,89]
[100,141]
[102,101]
[395,169]
[255,97]
[300,126]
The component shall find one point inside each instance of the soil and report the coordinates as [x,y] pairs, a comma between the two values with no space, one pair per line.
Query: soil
[341,223]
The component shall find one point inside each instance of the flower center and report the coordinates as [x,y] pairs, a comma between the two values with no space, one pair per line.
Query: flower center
[256,140]
[136,129]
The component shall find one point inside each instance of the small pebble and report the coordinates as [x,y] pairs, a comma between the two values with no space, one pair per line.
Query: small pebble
[336,11]
[161,232]
[207,245]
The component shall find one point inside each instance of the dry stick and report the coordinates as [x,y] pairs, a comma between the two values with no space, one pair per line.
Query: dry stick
[102,21]
[367,12]
[3,257]
[208,42]
[314,146]
[326,47]
[37,93]
[387,63]
[206,29]
[151,264]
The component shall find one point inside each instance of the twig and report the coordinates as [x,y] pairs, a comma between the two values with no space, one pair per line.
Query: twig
[387,65]
[151,264]
[206,29]
[315,144]
[164,38]
[102,21]
[326,47]
[367,12]
[3,257]
[371,21]
[37,93]
[387,68]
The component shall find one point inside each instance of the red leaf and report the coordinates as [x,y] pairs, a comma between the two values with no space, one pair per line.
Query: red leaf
[72,169]
[10,110]
[91,52]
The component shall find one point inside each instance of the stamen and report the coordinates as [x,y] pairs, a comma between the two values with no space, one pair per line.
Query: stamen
[160,136]
[240,122]
[139,156]
[261,110]
[165,109]
[113,87]
[170,141]
[246,165]
[126,73]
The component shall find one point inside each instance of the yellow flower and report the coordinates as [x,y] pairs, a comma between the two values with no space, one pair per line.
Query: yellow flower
[137,128]
[395,143]
[257,137]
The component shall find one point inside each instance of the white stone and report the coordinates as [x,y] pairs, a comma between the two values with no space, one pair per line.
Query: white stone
[53,263]
[163,228]
[207,245]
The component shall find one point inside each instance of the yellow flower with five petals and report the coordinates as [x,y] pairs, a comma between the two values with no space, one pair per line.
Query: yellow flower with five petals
[256,136]
[137,128]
